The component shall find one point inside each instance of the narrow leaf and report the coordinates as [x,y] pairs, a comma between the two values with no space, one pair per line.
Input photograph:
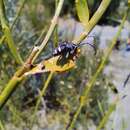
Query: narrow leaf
[82,11]
[8,35]
[129,3]
[2,39]
[11,45]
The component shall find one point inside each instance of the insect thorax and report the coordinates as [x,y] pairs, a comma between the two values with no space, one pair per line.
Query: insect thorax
[65,48]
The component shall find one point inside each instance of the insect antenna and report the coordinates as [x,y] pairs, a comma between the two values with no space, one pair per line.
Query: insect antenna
[126,81]
[87,43]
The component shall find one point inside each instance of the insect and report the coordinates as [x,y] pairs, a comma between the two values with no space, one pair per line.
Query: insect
[69,50]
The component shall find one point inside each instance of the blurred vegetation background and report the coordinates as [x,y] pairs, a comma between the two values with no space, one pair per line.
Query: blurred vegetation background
[62,96]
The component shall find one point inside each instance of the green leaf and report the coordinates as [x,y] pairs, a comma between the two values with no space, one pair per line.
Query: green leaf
[1,126]
[10,41]
[82,11]
[2,39]
[129,3]
[7,33]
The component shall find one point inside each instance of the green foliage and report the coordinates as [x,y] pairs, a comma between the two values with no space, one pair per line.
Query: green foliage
[62,93]
[82,11]
[1,126]
[7,33]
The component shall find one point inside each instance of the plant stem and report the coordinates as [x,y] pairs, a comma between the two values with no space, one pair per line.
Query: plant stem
[94,20]
[51,29]
[90,84]
[100,108]
[104,120]
[51,73]
[44,89]
[41,94]
[55,39]
[1,125]
[2,39]
[8,90]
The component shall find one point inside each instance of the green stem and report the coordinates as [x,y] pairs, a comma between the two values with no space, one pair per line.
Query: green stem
[72,123]
[104,120]
[17,78]
[41,95]
[100,108]
[16,115]
[104,59]
[2,39]
[44,89]
[51,29]
[1,125]
[56,29]
[90,84]
[8,90]
[55,42]
[94,20]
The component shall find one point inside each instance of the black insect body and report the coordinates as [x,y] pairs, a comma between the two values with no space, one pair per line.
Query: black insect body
[66,49]
[69,50]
